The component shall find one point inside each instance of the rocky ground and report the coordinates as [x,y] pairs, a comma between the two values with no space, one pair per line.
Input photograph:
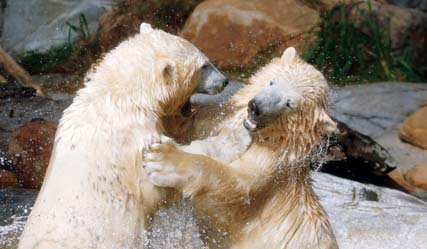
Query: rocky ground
[378,110]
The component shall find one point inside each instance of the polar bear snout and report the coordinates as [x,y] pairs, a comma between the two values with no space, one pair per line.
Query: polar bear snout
[270,105]
[267,106]
[211,80]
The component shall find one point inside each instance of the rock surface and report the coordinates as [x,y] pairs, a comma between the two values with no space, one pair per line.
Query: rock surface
[362,217]
[234,33]
[377,110]
[42,23]
[18,108]
[417,177]
[30,148]
[239,36]
[122,22]
[414,129]
[369,217]
[8,179]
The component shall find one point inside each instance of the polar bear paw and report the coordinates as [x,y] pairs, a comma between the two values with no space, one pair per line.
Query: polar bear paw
[162,164]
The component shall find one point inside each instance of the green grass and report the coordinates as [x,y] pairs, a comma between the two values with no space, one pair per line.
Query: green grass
[352,49]
[42,62]
[51,60]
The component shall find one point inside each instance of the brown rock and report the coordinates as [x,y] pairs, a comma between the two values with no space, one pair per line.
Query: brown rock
[414,128]
[417,176]
[29,149]
[234,33]
[241,35]
[124,19]
[8,179]
[399,181]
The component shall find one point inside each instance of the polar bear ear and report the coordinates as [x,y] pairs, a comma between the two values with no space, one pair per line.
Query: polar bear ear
[145,28]
[328,125]
[289,56]
[167,70]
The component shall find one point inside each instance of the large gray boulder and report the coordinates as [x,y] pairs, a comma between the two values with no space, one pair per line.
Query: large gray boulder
[40,24]
[363,216]
[377,110]
[369,217]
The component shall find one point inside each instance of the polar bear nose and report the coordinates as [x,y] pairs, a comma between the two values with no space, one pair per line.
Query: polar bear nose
[225,82]
[253,108]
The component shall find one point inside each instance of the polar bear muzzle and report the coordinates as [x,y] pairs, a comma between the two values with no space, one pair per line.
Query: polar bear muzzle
[211,80]
[267,106]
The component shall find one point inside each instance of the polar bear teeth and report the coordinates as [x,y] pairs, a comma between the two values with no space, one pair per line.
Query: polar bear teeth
[250,124]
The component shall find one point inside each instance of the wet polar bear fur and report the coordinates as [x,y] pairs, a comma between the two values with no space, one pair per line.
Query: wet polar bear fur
[252,180]
[96,194]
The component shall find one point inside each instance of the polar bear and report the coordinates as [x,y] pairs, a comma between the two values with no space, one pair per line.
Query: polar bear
[252,180]
[96,194]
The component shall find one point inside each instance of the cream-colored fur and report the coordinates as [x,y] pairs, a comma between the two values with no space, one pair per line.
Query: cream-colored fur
[255,187]
[96,193]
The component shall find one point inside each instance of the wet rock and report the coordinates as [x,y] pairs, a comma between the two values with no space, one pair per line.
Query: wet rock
[14,90]
[56,85]
[29,149]
[405,154]
[235,33]
[377,110]
[8,179]
[417,177]
[400,182]
[123,21]
[371,217]
[42,23]
[18,108]
[414,129]
[355,156]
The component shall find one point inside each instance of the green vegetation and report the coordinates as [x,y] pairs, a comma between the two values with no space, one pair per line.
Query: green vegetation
[351,48]
[50,60]
[82,30]
[41,62]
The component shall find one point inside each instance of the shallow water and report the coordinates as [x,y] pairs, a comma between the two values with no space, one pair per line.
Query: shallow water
[15,205]
[362,216]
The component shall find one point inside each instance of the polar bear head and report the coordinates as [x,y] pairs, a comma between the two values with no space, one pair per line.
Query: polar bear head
[288,94]
[155,72]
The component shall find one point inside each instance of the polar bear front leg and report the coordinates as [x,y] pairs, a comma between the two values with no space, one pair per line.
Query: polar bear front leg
[167,166]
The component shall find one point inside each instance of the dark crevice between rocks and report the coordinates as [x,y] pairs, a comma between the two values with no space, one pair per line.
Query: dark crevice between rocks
[355,156]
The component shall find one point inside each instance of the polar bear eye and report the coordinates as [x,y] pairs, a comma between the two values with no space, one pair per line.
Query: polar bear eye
[289,104]
[271,83]
[205,66]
